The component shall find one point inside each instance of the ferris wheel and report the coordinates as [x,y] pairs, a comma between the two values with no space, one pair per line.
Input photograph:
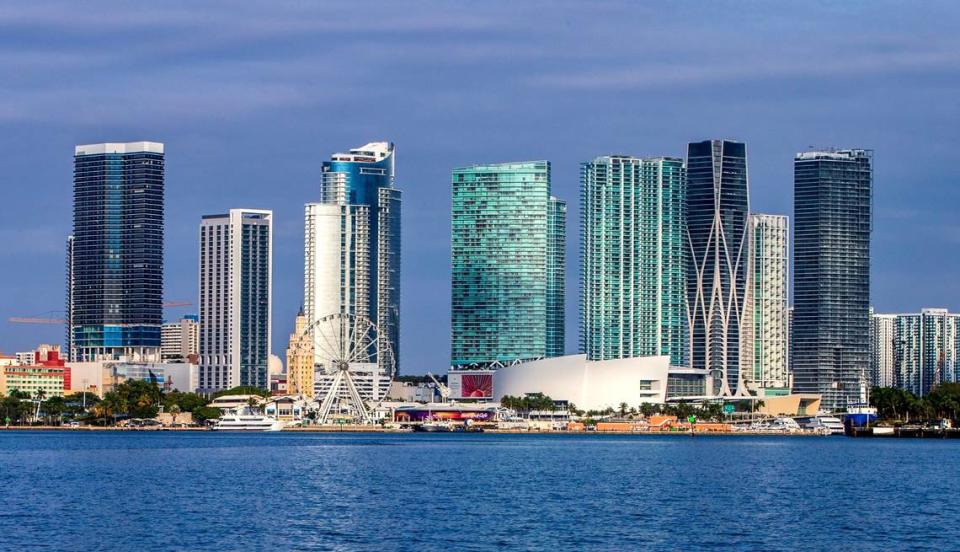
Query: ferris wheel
[354,365]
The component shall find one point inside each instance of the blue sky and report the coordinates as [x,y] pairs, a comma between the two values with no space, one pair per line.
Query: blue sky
[251,97]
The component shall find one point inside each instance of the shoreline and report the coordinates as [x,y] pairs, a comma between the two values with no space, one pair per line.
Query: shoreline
[365,429]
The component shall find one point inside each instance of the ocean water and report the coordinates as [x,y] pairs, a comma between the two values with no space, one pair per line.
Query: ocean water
[295,491]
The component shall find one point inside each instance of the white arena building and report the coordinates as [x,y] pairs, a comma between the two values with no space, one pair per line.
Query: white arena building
[590,385]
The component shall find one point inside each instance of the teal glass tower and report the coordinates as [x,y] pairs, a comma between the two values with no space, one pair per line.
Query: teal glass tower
[508,264]
[633,258]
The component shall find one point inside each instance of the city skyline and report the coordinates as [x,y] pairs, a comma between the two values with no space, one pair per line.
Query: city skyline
[218,144]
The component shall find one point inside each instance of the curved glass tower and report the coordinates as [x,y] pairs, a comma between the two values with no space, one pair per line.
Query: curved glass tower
[352,241]
[718,204]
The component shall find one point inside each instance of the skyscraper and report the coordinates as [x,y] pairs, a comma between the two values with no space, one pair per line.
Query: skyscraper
[352,241]
[718,275]
[767,304]
[633,258]
[236,274]
[508,264]
[831,274]
[882,360]
[115,258]
[924,349]
[68,304]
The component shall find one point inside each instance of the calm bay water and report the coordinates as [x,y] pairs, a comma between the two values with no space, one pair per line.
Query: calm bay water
[209,491]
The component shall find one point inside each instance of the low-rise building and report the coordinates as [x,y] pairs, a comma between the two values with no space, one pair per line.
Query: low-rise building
[45,371]
[180,340]
[288,408]
[590,385]
[229,402]
[413,392]
[102,376]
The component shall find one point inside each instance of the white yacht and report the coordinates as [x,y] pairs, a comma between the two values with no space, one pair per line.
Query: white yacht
[826,424]
[245,418]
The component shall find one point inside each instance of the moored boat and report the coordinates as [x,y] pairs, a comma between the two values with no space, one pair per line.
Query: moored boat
[245,419]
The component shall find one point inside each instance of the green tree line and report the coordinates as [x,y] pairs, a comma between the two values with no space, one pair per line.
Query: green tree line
[902,405]
[130,399]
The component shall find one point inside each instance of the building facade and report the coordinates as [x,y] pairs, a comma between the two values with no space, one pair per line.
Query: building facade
[508,265]
[633,260]
[352,242]
[180,340]
[718,276]
[41,371]
[300,365]
[115,256]
[767,304]
[236,274]
[925,350]
[831,274]
[882,360]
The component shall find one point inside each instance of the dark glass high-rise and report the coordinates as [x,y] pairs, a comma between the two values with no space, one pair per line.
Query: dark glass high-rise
[831,275]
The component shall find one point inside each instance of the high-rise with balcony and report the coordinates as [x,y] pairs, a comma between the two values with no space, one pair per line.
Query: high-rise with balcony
[766,309]
[831,274]
[718,276]
[508,264]
[633,258]
[882,359]
[115,256]
[925,349]
[352,241]
[236,274]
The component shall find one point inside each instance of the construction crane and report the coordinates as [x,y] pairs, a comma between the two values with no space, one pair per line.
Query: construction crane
[444,390]
[34,320]
[47,320]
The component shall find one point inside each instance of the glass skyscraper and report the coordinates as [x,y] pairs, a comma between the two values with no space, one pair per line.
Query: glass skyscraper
[633,258]
[115,256]
[508,264]
[767,305]
[831,274]
[352,241]
[718,276]
[236,276]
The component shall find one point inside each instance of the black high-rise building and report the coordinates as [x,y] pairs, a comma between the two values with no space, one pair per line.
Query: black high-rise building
[115,258]
[718,203]
[831,274]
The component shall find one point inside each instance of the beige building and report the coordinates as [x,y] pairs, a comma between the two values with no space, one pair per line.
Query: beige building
[300,359]
[796,404]
[180,340]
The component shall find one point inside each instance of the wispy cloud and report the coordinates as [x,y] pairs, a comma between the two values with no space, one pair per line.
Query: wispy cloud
[641,75]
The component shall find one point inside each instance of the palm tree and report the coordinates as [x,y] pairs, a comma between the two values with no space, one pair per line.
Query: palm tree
[174,410]
[623,409]
[39,396]
[111,405]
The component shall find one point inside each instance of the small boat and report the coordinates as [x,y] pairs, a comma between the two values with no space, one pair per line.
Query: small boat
[245,419]
[433,426]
